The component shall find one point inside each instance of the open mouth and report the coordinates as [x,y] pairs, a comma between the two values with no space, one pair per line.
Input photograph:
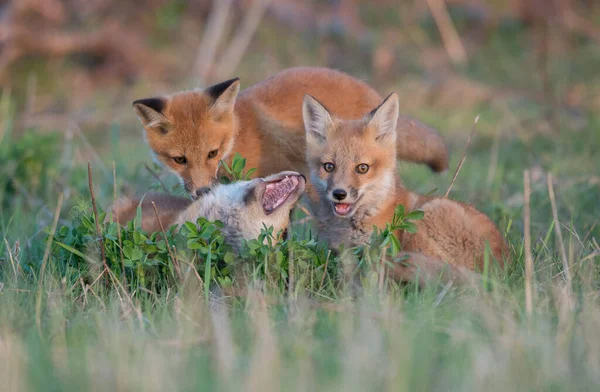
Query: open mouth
[342,209]
[278,191]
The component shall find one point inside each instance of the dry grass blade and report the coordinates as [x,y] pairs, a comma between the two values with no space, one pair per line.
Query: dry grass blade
[452,43]
[528,255]
[95,210]
[173,258]
[238,46]
[10,256]
[38,302]
[325,270]
[559,237]
[464,156]
[213,34]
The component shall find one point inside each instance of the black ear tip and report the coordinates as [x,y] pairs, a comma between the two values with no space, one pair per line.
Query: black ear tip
[390,95]
[216,90]
[157,104]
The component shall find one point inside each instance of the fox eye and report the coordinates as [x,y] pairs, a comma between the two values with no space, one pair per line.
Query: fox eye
[328,167]
[362,168]
[180,160]
[213,154]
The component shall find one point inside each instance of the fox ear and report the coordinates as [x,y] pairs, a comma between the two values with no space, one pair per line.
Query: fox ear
[317,119]
[150,112]
[384,118]
[223,95]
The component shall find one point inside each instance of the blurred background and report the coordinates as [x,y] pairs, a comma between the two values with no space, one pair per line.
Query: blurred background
[69,70]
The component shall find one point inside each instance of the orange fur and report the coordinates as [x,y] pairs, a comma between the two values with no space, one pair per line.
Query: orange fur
[265,125]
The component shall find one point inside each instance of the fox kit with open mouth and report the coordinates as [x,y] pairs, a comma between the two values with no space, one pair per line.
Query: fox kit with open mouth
[190,132]
[244,207]
[353,170]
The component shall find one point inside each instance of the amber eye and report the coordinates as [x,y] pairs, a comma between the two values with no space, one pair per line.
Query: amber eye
[362,168]
[180,160]
[213,154]
[328,167]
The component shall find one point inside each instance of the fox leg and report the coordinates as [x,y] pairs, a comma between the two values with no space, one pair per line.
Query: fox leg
[169,207]
[419,143]
[457,234]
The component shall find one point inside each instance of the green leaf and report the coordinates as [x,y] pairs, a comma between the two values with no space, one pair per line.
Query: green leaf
[229,257]
[137,254]
[127,251]
[238,164]
[395,245]
[195,246]
[192,228]
[249,173]
[76,252]
[88,224]
[137,222]
[415,215]
[400,210]
[410,227]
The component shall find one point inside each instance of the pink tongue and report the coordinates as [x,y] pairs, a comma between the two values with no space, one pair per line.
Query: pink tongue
[342,208]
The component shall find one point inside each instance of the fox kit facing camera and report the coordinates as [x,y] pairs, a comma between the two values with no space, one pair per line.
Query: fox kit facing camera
[190,132]
[353,170]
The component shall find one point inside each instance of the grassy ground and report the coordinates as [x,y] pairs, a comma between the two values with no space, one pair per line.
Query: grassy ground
[62,330]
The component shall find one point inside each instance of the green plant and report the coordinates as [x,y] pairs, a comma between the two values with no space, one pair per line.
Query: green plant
[146,257]
[236,171]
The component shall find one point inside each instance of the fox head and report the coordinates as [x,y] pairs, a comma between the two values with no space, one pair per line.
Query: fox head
[245,207]
[190,132]
[352,162]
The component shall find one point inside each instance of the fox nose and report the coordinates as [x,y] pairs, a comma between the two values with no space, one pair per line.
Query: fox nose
[201,191]
[339,194]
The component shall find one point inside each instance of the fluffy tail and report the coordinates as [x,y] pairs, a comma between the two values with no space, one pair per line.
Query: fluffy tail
[419,143]
[169,207]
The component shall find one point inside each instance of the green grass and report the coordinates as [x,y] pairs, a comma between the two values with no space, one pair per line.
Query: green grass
[65,330]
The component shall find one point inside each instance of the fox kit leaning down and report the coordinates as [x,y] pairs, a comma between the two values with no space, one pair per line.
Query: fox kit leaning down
[353,170]
[244,207]
[190,132]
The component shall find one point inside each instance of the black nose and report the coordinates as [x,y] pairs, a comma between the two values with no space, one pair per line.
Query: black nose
[339,194]
[202,191]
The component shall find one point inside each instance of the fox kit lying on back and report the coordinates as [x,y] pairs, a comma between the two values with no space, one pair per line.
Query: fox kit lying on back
[244,207]
[353,170]
[189,132]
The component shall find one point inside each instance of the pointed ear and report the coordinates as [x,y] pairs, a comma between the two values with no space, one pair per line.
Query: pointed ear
[223,95]
[150,112]
[384,118]
[317,119]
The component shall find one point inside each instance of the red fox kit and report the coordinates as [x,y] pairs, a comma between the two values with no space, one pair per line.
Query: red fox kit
[353,171]
[190,132]
[244,207]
